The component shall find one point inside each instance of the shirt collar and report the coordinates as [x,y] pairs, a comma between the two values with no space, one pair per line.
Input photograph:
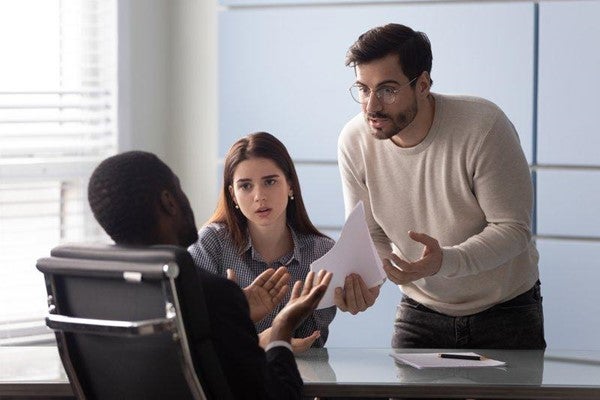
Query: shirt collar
[296,239]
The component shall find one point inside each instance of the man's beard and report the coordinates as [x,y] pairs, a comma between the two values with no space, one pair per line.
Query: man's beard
[398,122]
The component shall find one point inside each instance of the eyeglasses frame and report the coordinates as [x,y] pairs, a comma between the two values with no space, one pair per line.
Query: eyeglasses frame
[377,94]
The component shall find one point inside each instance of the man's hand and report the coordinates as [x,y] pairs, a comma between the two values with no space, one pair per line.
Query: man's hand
[265,292]
[299,345]
[429,264]
[304,299]
[355,296]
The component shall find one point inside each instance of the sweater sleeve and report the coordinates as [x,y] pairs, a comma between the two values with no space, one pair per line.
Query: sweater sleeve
[354,188]
[502,185]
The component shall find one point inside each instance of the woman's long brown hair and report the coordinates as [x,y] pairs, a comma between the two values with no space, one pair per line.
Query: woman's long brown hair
[259,145]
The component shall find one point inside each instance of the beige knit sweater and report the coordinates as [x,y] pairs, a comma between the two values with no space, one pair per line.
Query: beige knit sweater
[467,184]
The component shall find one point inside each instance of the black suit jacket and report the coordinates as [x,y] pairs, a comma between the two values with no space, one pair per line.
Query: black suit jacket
[250,372]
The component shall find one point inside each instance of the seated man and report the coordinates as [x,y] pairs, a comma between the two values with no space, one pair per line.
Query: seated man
[138,200]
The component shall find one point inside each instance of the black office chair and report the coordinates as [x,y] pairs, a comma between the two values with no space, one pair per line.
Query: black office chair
[131,323]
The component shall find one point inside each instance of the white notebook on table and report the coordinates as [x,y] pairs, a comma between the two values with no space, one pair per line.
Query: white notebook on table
[434,360]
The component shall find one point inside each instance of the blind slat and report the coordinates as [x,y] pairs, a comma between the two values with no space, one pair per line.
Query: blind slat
[80,92]
[91,121]
[57,106]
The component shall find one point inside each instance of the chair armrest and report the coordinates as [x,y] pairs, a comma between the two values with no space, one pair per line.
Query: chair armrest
[110,327]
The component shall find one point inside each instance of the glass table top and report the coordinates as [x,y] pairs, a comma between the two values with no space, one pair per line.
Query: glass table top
[553,374]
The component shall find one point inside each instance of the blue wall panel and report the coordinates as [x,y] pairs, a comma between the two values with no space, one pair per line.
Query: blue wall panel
[568,202]
[254,3]
[322,193]
[570,272]
[282,69]
[569,83]
[372,328]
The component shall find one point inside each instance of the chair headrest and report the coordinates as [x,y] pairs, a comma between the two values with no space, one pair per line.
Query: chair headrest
[108,260]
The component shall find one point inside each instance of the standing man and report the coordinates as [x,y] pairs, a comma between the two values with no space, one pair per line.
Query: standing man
[448,198]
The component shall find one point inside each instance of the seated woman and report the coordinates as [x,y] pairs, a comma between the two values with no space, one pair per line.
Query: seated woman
[260,224]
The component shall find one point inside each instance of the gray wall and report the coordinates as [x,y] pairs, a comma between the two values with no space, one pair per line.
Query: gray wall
[168,89]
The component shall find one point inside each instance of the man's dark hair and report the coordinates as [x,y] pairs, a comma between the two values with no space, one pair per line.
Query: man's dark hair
[413,49]
[124,192]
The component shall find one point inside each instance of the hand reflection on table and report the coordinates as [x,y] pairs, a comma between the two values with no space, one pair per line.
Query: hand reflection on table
[316,370]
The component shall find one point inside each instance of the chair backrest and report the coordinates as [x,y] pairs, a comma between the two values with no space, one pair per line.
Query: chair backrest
[131,323]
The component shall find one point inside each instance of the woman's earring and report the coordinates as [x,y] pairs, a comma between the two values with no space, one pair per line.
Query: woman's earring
[291,196]
[236,206]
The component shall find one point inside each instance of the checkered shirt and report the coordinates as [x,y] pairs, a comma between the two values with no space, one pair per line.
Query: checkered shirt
[215,252]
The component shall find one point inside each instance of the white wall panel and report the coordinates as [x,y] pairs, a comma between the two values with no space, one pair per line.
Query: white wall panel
[372,328]
[568,202]
[569,83]
[322,194]
[570,272]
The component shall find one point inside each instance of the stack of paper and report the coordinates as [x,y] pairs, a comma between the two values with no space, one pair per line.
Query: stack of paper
[355,253]
[434,360]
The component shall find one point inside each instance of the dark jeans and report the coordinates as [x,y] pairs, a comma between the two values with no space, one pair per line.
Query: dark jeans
[515,324]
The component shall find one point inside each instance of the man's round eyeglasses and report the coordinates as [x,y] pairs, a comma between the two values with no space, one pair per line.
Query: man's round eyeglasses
[386,94]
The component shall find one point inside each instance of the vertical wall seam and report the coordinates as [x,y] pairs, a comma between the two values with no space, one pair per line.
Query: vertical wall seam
[534,128]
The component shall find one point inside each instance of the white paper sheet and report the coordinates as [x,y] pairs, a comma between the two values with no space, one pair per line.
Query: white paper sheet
[433,360]
[355,253]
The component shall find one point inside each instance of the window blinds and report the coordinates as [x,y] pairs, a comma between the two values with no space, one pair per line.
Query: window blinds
[57,121]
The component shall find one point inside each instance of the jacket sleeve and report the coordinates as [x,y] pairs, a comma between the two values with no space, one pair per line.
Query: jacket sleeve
[283,378]
[250,372]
